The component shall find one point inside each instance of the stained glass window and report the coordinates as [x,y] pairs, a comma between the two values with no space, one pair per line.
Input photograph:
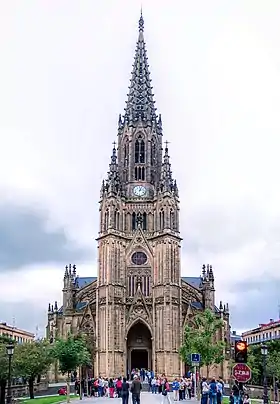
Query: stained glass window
[139,258]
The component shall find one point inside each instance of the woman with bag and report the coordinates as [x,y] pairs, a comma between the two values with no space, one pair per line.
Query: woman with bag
[165,392]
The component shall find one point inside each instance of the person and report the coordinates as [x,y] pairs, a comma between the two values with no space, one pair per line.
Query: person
[165,391]
[135,389]
[220,388]
[182,390]
[111,387]
[246,399]
[204,391]
[154,385]
[119,386]
[213,392]
[175,388]
[236,393]
[125,391]
[189,388]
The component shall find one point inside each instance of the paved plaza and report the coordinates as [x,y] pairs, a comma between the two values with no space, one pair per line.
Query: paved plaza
[146,398]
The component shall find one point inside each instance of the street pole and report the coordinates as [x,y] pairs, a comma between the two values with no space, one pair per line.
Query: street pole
[195,382]
[87,389]
[265,389]
[9,391]
[80,374]
[10,352]
[264,352]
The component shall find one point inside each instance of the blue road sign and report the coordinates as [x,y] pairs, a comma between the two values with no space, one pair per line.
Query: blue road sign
[195,357]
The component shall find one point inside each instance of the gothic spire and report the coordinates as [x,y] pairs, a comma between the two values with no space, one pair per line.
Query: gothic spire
[166,183]
[140,105]
[112,184]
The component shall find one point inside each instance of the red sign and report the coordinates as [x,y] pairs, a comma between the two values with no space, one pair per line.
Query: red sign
[241,372]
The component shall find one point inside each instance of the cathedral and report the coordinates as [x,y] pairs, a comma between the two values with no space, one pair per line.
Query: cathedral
[135,309]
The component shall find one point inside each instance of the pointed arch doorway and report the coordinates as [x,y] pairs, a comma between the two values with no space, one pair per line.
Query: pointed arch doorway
[139,347]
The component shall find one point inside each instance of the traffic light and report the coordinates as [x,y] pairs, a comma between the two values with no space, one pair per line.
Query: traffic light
[240,352]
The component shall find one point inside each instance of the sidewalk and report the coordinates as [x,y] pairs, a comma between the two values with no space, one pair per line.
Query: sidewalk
[146,398]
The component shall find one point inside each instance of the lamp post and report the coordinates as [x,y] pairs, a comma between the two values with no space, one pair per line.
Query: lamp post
[10,351]
[264,352]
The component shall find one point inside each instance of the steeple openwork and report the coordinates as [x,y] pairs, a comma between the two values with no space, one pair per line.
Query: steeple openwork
[140,105]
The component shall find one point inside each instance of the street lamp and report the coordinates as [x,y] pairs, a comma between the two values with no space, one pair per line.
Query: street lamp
[264,352]
[10,351]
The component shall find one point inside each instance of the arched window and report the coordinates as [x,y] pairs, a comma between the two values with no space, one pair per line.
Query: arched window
[133,221]
[115,219]
[139,151]
[126,153]
[153,152]
[142,151]
[106,221]
[161,220]
[144,221]
[172,220]
[128,222]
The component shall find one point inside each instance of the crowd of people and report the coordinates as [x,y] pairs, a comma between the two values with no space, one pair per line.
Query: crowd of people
[212,390]
[183,388]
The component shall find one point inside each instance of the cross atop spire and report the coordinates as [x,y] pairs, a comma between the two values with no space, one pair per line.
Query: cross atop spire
[166,144]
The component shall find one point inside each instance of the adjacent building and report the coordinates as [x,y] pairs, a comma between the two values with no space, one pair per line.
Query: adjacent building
[136,308]
[18,335]
[234,336]
[263,333]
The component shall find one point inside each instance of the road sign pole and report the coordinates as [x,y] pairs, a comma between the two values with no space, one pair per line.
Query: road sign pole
[196,359]
[195,381]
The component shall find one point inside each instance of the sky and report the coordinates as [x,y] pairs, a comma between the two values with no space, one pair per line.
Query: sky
[64,75]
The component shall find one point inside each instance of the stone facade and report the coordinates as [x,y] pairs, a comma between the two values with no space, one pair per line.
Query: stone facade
[136,308]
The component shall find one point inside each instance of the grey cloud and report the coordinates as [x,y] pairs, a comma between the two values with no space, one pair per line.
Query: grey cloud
[258,301]
[25,315]
[221,229]
[25,239]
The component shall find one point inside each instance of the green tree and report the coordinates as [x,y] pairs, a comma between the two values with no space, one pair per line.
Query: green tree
[31,360]
[273,364]
[4,341]
[71,353]
[200,338]
[255,363]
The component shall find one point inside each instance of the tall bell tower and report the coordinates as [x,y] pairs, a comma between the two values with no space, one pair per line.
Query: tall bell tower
[139,276]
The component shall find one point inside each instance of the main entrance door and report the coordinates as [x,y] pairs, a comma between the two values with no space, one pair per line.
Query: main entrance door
[139,359]
[139,347]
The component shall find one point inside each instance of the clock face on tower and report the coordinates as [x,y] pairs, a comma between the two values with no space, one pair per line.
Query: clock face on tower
[139,190]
